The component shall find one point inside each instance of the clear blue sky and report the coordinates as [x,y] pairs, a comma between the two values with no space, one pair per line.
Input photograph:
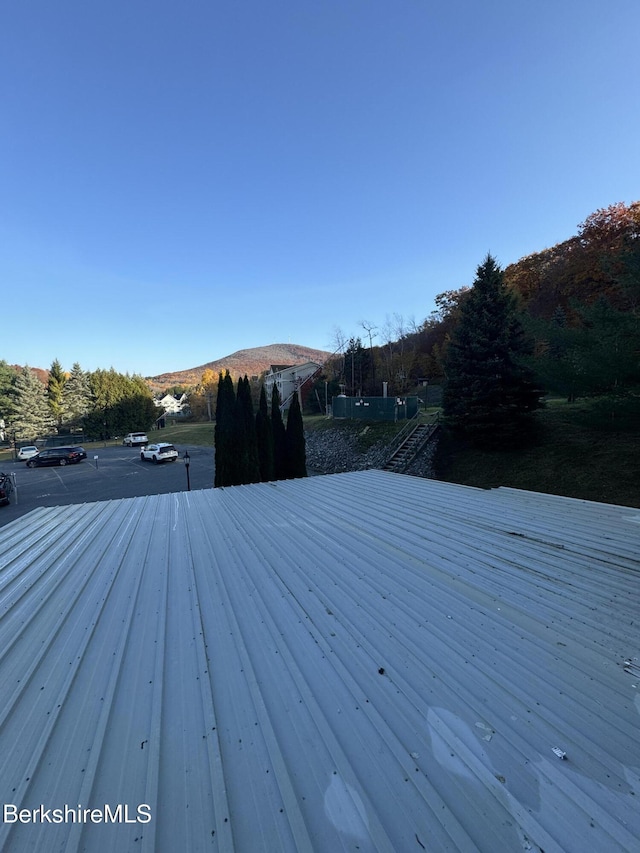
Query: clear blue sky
[182,180]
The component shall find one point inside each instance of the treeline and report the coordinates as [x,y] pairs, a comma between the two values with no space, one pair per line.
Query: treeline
[101,403]
[578,304]
[490,394]
[253,449]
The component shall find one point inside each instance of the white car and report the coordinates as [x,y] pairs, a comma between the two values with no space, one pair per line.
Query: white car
[159,453]
[133,438]
[27,452]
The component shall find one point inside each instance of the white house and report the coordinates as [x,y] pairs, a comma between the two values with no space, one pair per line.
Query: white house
[289,379]
[173,405]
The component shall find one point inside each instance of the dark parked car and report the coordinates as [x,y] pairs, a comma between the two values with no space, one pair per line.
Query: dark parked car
[57,456]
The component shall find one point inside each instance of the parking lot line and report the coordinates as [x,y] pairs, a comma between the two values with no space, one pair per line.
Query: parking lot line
[117,476]
[60,480]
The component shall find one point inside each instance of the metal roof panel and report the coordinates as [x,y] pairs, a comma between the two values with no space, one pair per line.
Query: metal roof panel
[362,661]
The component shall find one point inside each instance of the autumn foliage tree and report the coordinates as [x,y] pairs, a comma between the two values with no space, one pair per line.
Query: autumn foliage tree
[600,261]
[202,401]
[592,282]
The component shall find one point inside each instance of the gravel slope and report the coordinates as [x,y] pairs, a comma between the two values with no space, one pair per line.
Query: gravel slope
[333,451]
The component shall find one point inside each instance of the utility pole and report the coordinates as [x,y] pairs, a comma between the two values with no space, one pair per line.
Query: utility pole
[370,329]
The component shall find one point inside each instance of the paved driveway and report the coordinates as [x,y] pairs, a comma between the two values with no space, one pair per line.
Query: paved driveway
[118,472]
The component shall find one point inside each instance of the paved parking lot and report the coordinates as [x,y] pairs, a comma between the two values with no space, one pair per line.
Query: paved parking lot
[118,472]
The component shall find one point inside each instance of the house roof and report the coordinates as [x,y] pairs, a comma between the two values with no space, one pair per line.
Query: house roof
[363,661]
[276,368]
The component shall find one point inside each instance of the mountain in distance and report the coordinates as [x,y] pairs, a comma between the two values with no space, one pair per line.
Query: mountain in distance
[252,361]
[43,375]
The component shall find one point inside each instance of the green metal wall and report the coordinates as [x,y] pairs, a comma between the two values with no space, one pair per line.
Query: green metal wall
[375,408]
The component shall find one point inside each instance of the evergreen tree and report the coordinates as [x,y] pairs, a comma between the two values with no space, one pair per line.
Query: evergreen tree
[612,345]
[250,467]
[279,437]
[238,454]
[119,404]
[31,415]
[76,395]
[107,388]
[264,438]
[8,378]
[55,389]
[357,366]
[296,456]
[489,394]
[134,412]
[225,405]
[562,366]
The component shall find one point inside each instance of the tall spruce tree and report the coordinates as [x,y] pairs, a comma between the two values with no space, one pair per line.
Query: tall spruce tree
[253,463]
[32,416]
[245,451]
[239,450]
[8,377]
[264,438]
[223,432]
[296,456]
[279,437]
[76,394]
[489,394]
[55,390]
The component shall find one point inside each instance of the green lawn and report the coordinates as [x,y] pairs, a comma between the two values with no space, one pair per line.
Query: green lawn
[581,453]
[179,434]
[199,434]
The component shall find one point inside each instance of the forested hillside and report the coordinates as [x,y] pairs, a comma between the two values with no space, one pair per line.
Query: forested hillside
[578,314]
[251,362]
[578,303]
[601,261]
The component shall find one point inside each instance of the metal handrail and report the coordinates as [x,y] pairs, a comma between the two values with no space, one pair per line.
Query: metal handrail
[405,433]
[399,437]
[407,430]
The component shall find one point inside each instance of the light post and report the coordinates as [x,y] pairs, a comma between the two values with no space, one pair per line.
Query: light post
[186,465]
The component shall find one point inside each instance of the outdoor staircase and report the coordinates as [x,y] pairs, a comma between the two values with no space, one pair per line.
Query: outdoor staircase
[408,445]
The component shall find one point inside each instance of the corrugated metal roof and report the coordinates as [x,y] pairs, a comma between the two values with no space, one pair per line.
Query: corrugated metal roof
[362,661]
